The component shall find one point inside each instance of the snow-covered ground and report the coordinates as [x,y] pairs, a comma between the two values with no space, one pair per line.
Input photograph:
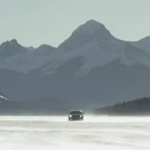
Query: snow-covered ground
[57,133]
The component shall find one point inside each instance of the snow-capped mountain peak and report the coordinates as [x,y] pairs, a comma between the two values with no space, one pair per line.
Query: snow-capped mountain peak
[91,66]
[90,27]
[91,41]
[86,33]
[94,23]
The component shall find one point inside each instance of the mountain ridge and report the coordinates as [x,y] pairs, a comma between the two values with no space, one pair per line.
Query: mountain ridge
[11,48]
[100,69]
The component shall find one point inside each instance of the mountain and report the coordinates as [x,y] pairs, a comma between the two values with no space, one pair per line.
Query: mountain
[90,68]
[91,31]
[135,107]
[31,60]
[143,44]
[11,48]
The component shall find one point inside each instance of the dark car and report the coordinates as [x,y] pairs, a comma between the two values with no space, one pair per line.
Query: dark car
[75,115]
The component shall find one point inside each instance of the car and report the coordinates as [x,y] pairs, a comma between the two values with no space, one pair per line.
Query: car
[75,115]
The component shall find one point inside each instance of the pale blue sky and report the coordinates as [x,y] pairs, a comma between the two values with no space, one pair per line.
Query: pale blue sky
[36,22]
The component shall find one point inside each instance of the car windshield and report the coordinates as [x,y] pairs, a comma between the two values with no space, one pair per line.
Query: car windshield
[75,112]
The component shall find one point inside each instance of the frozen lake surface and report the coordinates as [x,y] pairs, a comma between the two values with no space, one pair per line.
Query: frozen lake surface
[57,133]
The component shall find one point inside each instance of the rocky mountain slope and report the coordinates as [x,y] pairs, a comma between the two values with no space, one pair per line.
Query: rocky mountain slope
[90,67]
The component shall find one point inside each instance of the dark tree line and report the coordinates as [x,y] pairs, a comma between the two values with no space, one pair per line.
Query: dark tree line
[139,106]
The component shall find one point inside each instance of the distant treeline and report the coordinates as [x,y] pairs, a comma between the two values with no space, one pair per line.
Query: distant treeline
[139,106]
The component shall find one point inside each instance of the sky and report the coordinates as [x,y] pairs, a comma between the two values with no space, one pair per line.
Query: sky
[36,22]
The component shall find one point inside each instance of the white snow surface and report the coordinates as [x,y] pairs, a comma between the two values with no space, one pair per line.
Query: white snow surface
[56,133]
